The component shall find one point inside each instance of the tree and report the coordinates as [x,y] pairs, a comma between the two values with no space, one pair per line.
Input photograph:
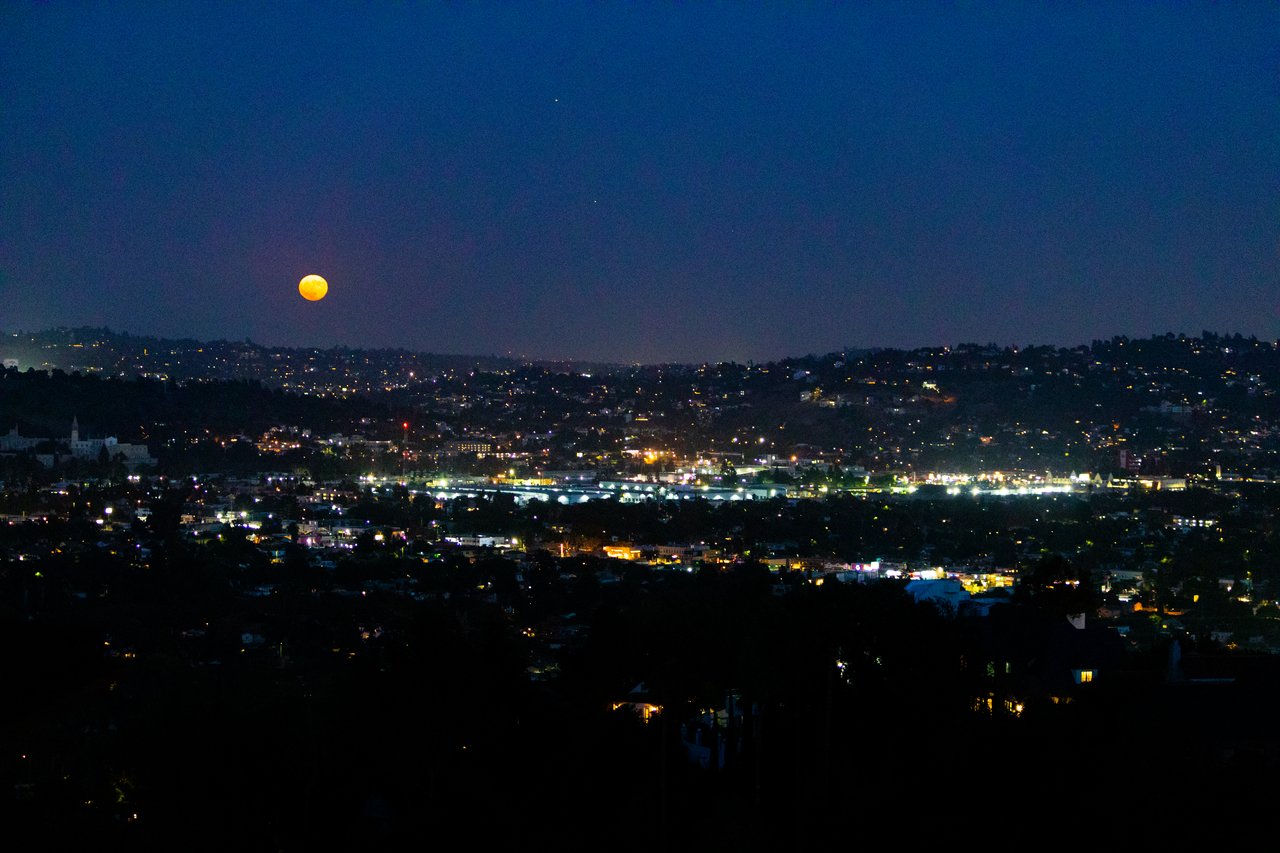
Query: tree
[1057,587]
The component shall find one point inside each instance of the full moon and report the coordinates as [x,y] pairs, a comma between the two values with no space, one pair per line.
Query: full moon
[313,288]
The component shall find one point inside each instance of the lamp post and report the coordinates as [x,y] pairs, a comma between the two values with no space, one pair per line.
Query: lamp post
[404,450]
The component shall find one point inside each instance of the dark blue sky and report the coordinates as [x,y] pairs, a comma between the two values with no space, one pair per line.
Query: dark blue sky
[641,182]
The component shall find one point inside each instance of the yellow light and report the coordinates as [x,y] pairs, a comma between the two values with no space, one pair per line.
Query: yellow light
[313,288]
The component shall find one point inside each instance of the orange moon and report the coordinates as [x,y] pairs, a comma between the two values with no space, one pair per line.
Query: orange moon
[313,288]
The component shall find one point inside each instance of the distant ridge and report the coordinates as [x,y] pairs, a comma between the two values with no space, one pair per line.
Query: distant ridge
[100,349]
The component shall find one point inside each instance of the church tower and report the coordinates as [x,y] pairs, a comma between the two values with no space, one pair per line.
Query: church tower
[75,430]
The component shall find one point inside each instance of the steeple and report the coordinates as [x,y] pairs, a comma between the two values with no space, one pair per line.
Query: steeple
[75,430]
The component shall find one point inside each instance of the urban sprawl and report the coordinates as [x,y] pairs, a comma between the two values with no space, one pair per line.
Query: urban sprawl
[290,514]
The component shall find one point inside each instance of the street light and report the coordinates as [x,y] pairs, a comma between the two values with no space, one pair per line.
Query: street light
[404,449]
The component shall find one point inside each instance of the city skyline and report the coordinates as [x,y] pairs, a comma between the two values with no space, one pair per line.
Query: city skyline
[642,184]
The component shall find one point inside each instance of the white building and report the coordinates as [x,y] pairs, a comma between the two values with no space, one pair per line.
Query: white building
[132,455]
[91,448]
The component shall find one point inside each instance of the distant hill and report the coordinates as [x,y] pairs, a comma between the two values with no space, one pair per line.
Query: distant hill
[43,404]
[101,350]
[1173,404]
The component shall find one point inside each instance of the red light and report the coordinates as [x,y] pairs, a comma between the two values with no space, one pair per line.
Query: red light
[406,424]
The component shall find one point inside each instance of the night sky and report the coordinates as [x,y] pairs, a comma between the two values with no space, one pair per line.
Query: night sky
[641,182]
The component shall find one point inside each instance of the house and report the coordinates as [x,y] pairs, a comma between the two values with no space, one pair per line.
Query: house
[1019,656]
[947,594]
[715,734]
[637,702]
